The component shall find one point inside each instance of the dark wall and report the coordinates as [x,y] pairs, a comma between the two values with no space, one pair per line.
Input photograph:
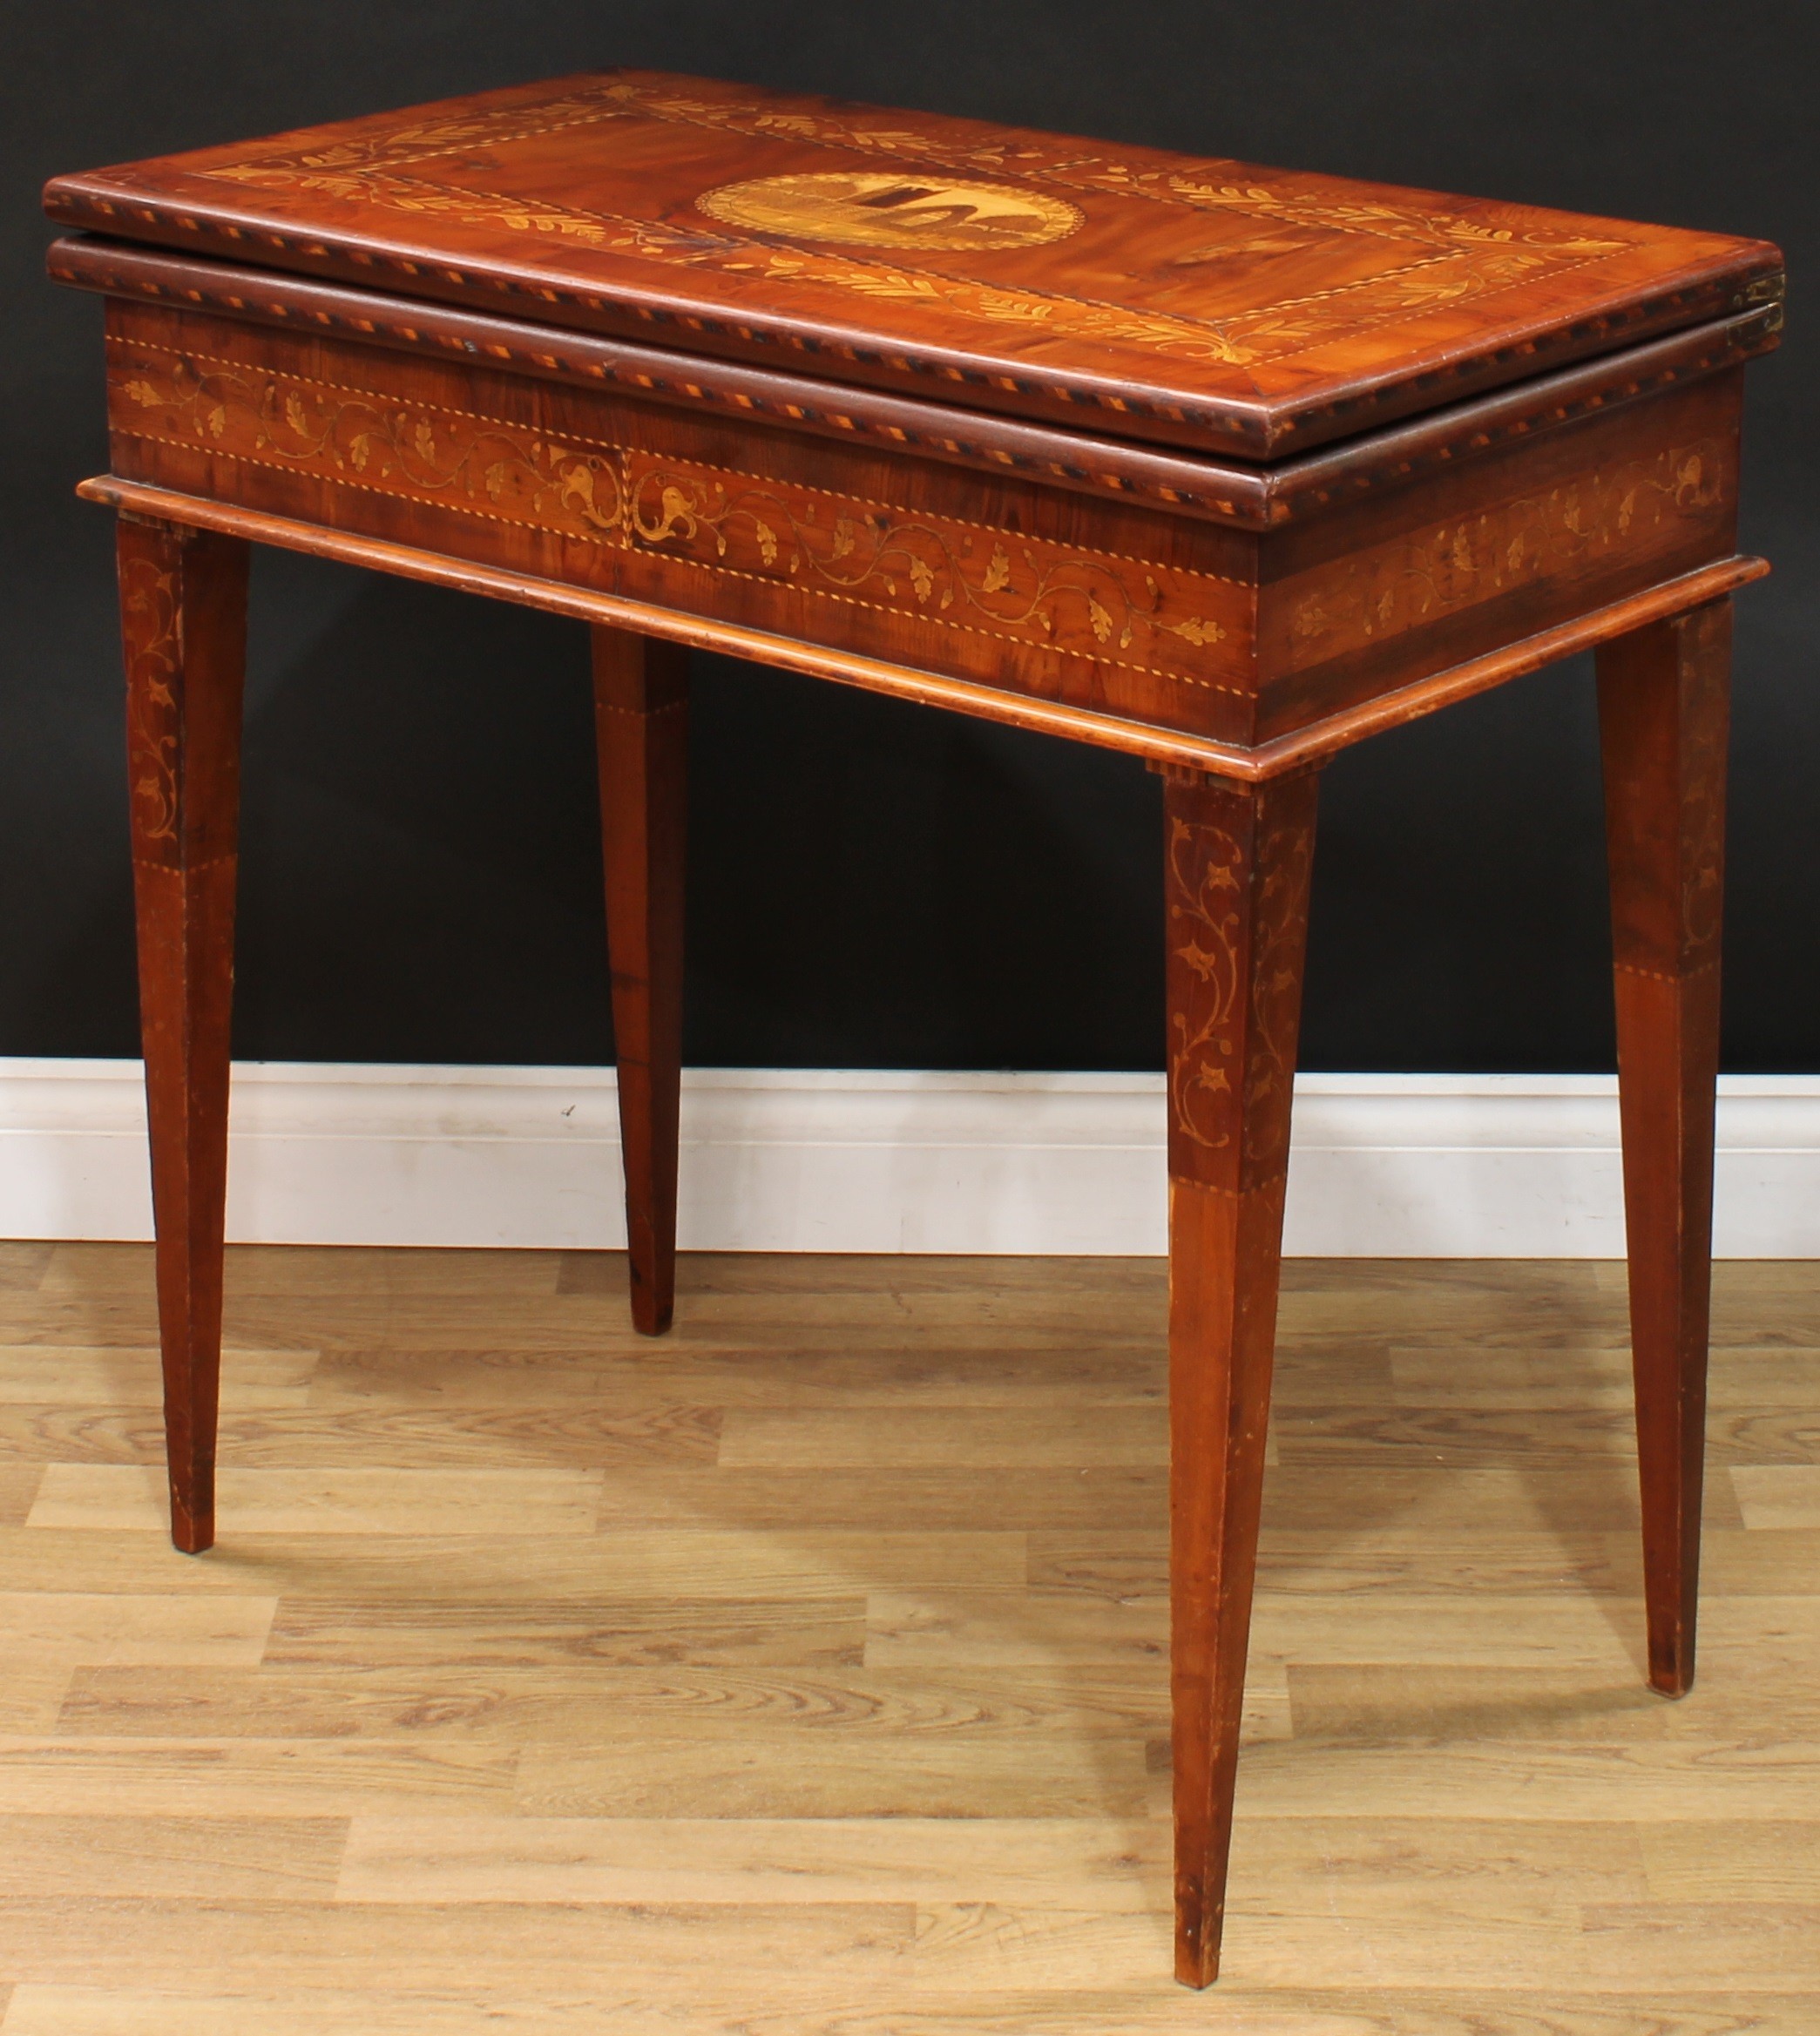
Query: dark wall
[875,884]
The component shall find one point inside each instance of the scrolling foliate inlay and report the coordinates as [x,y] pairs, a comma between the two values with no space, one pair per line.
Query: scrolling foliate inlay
[1279,939]
[1637,507]
[952,574]
[1114,611]
[420,141]
[1207,871]
[367,441]
[1706,716]
[436,167]
[1457,257]
[153,647]
[1237,887]
[1442,230]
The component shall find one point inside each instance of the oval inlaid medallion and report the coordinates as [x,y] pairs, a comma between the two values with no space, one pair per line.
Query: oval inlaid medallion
[892,208]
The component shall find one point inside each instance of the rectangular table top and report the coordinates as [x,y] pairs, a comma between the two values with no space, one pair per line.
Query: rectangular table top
[1178,299]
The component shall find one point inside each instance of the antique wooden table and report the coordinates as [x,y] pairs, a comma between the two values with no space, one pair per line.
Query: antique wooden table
[1224,467]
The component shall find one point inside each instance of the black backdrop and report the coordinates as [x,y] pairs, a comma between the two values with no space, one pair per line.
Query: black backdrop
[874,884]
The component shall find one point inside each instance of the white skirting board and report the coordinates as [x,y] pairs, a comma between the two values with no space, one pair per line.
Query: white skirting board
[1393,1166]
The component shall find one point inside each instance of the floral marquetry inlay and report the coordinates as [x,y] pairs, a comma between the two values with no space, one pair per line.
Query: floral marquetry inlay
[899,183]
[1169,299]
[364,439]
[1115,610]
[1704,679]
[1238,867]
[1152,618]
[154,645]
[1387,589]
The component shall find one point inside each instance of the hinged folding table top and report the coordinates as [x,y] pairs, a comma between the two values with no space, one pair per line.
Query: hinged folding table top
[1170,298]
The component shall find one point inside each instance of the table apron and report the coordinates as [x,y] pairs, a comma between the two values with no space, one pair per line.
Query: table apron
[1245,653]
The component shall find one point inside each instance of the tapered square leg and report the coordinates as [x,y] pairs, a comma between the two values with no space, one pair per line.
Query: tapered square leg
[641,723]
[1236,874]
[183,616]
[1664,696]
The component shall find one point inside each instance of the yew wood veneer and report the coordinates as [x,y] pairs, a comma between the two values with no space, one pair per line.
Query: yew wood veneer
[1224,467]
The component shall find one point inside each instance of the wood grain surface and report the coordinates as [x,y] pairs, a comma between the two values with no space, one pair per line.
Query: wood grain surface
[641,739]
[1084,602]
[1664,717]
[183,626]
[806,1674]
[1213,304]
[443,1518]
[1248,496]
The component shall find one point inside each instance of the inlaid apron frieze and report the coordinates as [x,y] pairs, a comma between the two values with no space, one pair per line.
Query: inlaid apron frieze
[1113,609]
[1643,509]
[842,552]
[364,440]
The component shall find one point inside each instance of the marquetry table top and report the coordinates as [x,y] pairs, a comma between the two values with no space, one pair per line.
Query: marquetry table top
[1192,302]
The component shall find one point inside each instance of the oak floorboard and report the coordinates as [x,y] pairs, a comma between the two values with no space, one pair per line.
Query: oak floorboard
[763,1774]
[360,1500]
[1246,2010]
[79,1322]
[350,1274]
[362,1633]
[23,1265]
[786,1949]
[830,1373]
[1578,1380]
[1052,1861]
[588,1703]
[438,1437]
[19,1486]
[1392,1942]
[272,1778]
[803,1672]
[102,1626]
[34,1686]
[1042,1282]
[1573,1780]
[1353,1501]
[955,1438]
[1458,1438]
[1392,1561]
[107,1855]
[1777,1495]
[889,1500]
[1689,1860]
[1375,1702]
[121,1377]
[621,1562]
[1733,1562]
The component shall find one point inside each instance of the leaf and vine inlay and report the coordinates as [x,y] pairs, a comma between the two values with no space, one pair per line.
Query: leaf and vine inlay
[1413,579]
[154,658]
[1114,611]
[1237,901]
[1207,869]
[437,167]
[415,450]
[443,134]
[1705,710]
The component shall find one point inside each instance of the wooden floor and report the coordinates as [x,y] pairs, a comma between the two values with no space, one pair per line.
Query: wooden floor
[805,1672]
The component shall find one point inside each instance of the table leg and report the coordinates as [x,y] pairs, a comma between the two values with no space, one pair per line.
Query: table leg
[1663,710]
[183,622]
[1236,876]
[641,705]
